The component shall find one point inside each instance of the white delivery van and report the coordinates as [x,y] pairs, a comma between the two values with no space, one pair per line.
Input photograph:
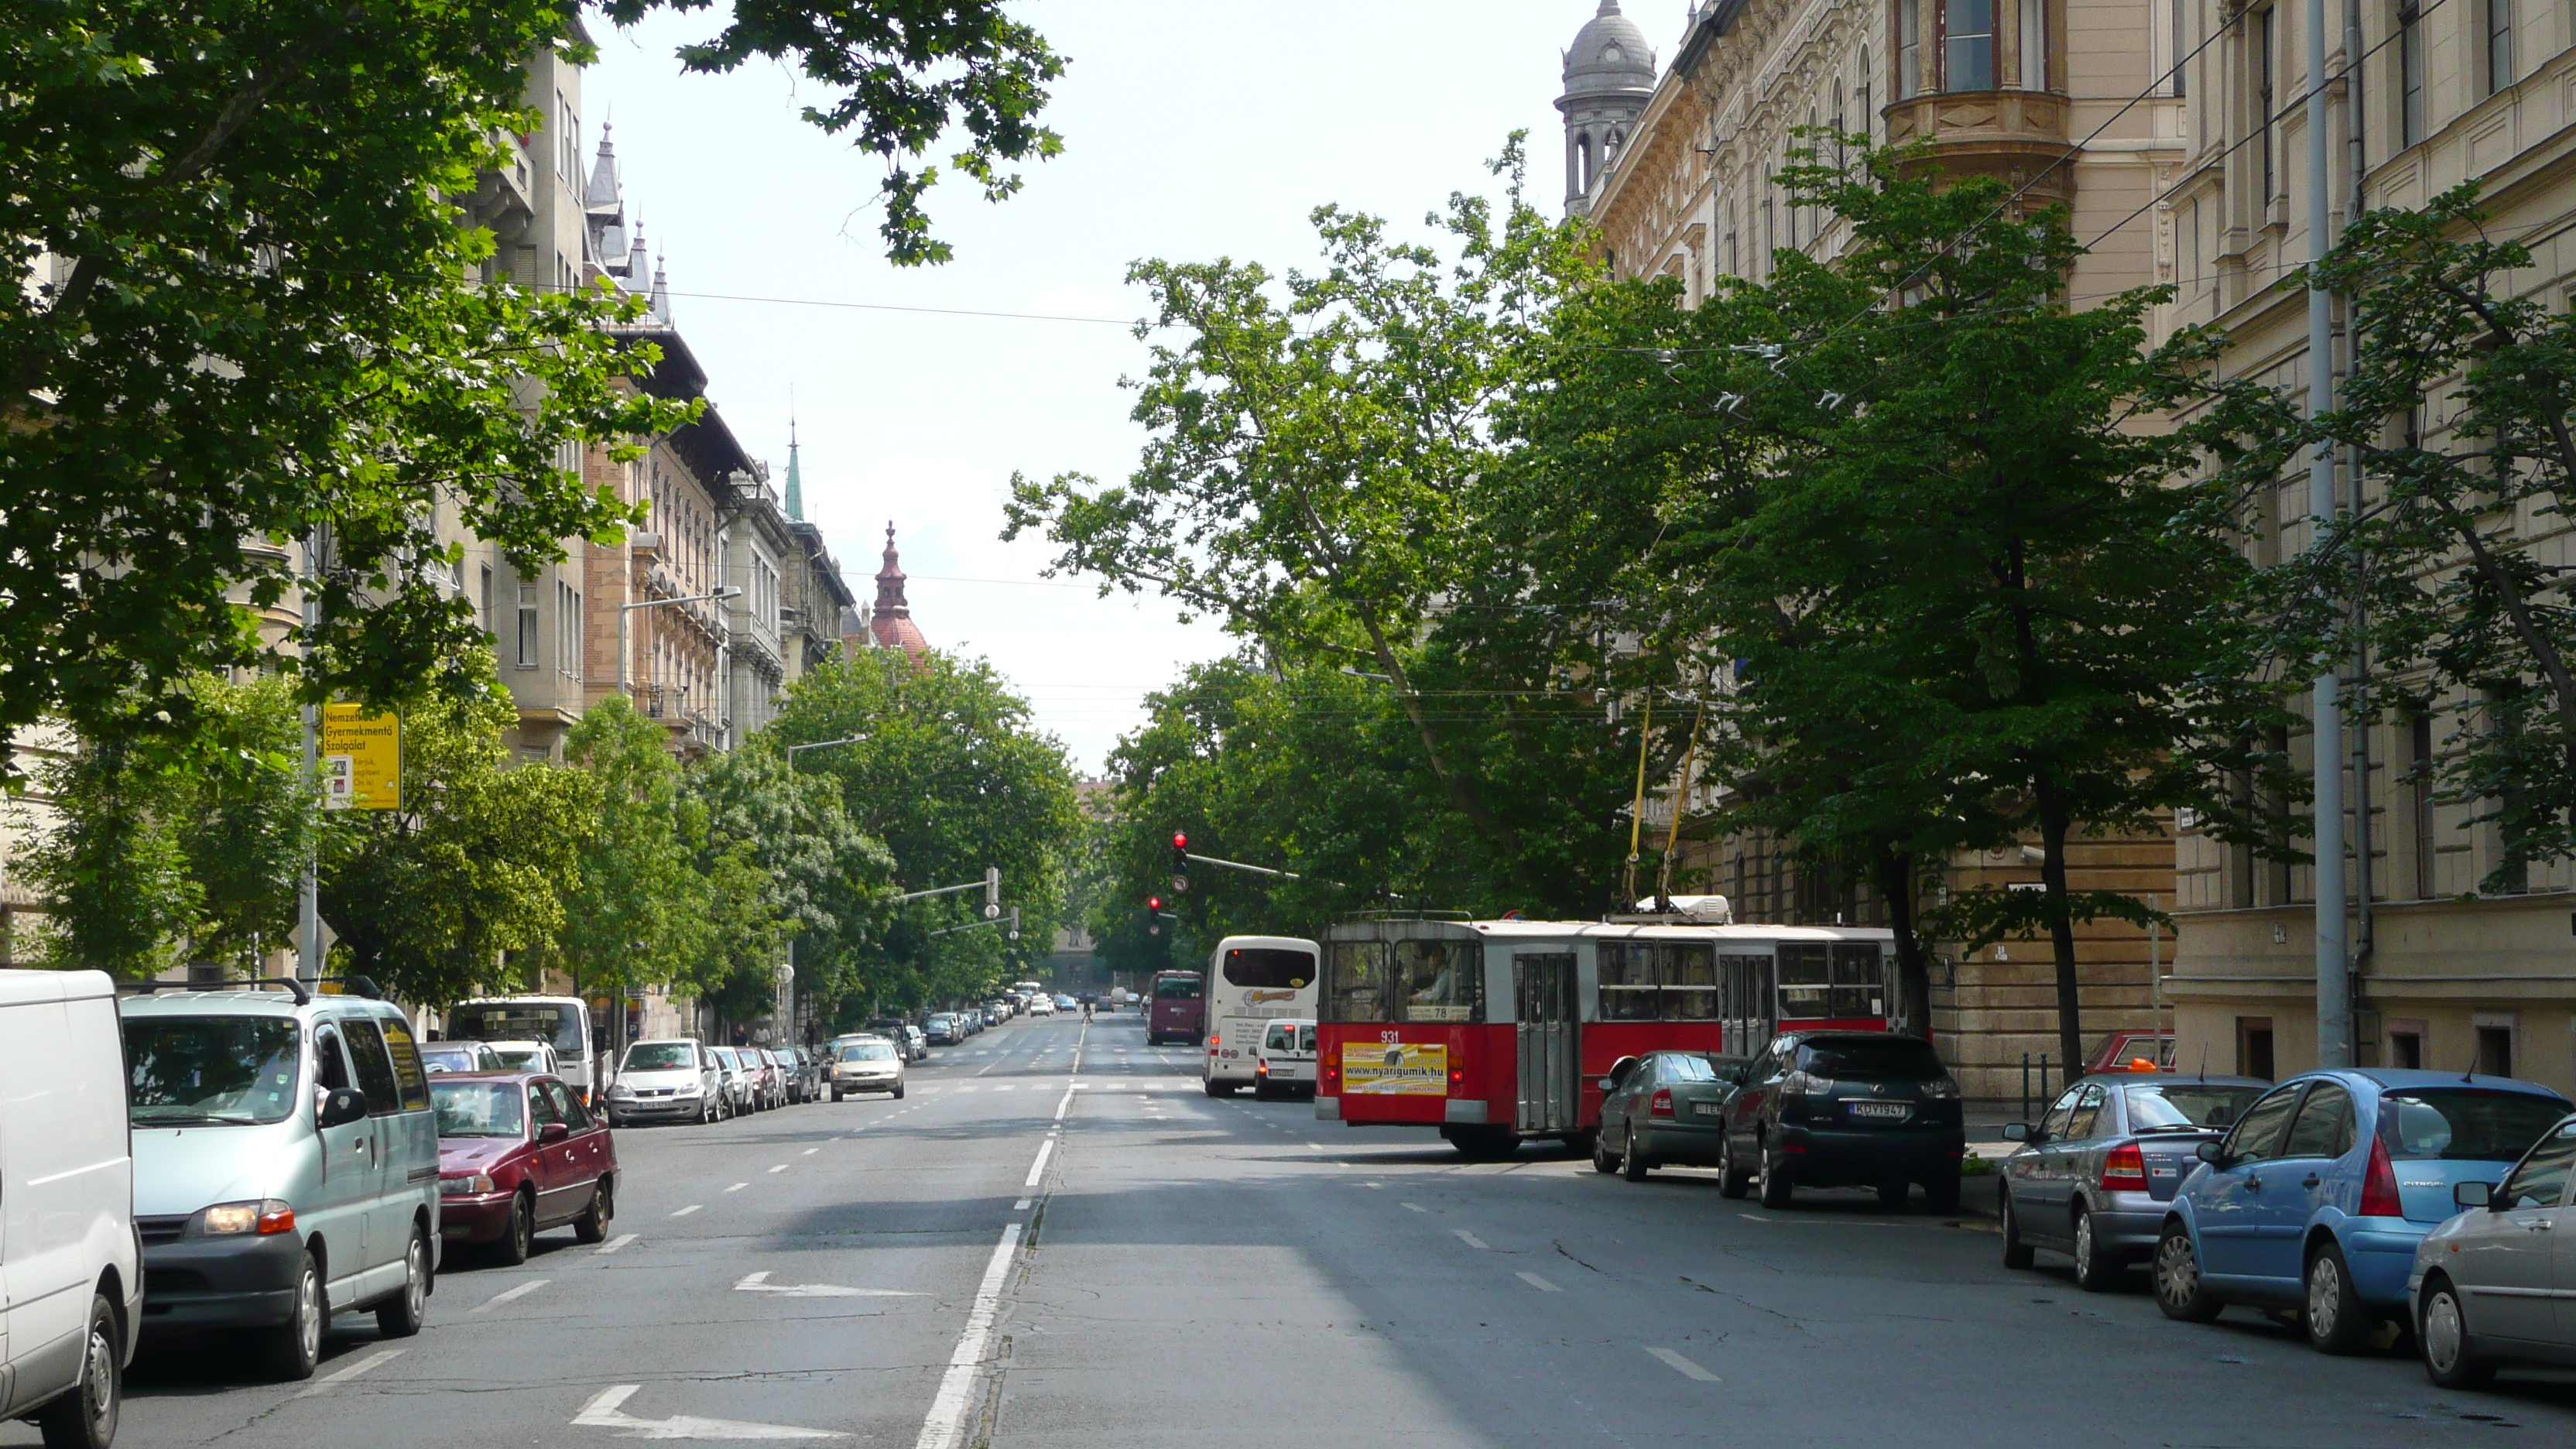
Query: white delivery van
[67,1244]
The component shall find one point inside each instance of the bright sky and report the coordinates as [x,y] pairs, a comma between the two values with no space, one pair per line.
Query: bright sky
[1193,129]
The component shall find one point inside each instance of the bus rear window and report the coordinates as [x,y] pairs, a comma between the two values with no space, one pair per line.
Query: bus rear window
[1259,966]
[1178,988]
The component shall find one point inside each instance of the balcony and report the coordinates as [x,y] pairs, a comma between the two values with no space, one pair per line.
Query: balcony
[2013,136]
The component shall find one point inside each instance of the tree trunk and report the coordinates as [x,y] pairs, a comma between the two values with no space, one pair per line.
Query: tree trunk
[2054,826]
[1913,1015]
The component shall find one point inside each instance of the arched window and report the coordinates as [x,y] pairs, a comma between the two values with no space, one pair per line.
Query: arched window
[1868,112]
[1842,123]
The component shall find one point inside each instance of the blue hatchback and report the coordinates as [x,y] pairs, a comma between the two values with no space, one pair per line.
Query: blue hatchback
[2317,1197]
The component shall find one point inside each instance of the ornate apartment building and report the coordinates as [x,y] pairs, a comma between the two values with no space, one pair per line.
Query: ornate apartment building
[2423,97]
[1677,166]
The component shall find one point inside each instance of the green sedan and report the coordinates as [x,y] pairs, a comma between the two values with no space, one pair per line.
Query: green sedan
[1664,1109]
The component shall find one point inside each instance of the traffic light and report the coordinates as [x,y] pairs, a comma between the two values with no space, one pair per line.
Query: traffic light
[1153,915]
[1180,862]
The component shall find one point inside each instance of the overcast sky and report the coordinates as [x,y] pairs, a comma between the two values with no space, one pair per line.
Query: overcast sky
[1192,130]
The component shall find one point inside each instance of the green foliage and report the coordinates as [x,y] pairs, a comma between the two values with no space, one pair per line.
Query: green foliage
[637,910]
[810,873]
[254,317]
[951,778]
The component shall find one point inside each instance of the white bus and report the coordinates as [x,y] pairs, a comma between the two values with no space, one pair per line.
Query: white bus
[1253,980]
[562,1022]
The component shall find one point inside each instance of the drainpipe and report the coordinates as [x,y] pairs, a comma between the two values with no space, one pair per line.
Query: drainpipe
[2333,963]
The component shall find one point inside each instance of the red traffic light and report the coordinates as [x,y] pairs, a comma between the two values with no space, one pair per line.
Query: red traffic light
[1180,841]
[1153,903]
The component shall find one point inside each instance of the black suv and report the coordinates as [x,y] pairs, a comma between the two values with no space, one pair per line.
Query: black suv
[1845,1109]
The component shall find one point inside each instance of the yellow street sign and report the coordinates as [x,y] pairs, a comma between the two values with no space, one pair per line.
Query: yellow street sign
[361,759]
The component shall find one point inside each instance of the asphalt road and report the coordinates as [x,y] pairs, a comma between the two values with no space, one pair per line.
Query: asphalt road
[950,1271]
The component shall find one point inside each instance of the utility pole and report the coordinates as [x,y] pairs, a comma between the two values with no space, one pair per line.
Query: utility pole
[308,886]
[2334,978]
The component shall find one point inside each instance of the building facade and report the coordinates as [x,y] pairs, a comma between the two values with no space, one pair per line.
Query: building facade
[2446,973]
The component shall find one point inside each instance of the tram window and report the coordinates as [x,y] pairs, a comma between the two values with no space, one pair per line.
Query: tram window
[1804,984]
[1859,982]
[1443,980]
[1355,981]
[1628,986]
[1690,982]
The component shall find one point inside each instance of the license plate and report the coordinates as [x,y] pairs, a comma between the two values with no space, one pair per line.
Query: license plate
[1892,1110]
[1708,1109]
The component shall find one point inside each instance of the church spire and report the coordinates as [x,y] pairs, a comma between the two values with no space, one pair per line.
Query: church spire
[795,476]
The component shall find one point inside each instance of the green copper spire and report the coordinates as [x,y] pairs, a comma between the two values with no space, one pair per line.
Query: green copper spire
[795,480]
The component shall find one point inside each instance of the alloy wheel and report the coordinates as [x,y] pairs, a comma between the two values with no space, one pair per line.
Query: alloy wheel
[2177,1270]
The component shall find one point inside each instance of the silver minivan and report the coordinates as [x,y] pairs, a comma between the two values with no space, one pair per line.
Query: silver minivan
[285,1165]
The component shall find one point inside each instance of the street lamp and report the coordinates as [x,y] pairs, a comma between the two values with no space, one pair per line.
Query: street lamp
[819,745]
[726,592]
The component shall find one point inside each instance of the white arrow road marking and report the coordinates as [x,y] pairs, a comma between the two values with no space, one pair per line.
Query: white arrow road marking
[759,1283]
[508,1294]
[603,1412]
[377,1359]
[615,1243]
[948,1410]
[1683,1366]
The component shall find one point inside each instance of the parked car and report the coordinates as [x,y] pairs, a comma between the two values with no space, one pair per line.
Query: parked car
[866,1064]
[2317,1199]
[239,1098]
[460,1056]
[809,1073]
[1662,1109]
[75,1303]
[671,1079]
[741,1081]
[527,1056]
[777,1071]
[2485,1284]
[906,1037]
[1041,1006]
[1283,1060]
[1844,1109]
[2092,1176]
[943,1029]
[517,1154]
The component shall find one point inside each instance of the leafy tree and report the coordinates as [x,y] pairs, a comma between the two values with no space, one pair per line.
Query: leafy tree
[824,881]
[252,317]
[1312,436]
[455,893]
[637,909]
[951,777]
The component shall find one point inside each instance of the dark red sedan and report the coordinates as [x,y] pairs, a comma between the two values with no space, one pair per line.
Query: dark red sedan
[518,1153]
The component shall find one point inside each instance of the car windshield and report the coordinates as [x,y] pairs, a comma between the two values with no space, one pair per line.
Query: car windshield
[2465,1124]
[1889,1058]
[868,1051]
[521,1058]
[478,1109]
[440,1057]
[2188,1106]
[194,1070]
[660,1056]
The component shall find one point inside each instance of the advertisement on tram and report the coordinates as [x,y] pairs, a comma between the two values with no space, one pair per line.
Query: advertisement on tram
[1252,981]
[1495,1031]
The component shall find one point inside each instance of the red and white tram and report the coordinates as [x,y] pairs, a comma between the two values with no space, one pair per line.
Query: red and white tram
[1494,1031]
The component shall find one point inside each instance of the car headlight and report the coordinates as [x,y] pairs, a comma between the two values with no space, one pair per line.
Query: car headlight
[469,1185]
[688,1089]
[621,1090]
[268,1215]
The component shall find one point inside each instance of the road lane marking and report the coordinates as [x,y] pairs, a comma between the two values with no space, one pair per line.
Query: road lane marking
[948,1410]
[1318,1146]
[1005,1088]
[377,1359]
[604,1411]
[684,1212]
[782,1167]
[1037,1169]
[1470,1239]
[737,1187]
[1021,1206]
[1537,1282]
[507,1295]
[759,1283]
[615,1243]
[1683,1366]
[1417,1207]
[810,1151]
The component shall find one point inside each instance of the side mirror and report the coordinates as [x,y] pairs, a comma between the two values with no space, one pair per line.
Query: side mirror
[1609,1084]
[553,1132]
[2215,1154]
[2473,1194]
[2017,1132]
[340,1107]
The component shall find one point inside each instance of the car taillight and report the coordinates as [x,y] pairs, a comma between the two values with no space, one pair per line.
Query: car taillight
[2379,1185]
[2125,1170]
[1457,1076]
[1662,1105]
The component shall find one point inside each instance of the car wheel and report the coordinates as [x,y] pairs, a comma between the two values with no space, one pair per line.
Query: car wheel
[592,1225]
[85,1418]
[1771,1180]
[1891,1195]
[836,1094]
[518,1235]
[1603,1159]
[2017,1254]
[400,1316]
[1732,1181]
[898,1094]
[1632,1163]
[291,1349]
[2095,1271]
[2337,1321]
[1942,1191]
[2450,1355]
[2180,1292]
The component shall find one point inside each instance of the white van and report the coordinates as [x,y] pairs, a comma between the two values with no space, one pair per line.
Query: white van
[67,1244]
[562,1022]
[1284,1060]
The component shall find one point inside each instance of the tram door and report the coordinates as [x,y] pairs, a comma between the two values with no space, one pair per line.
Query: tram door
[1745,1003]
[1543,989]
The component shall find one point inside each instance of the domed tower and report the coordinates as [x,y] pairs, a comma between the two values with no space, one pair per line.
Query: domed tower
[1609,77]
